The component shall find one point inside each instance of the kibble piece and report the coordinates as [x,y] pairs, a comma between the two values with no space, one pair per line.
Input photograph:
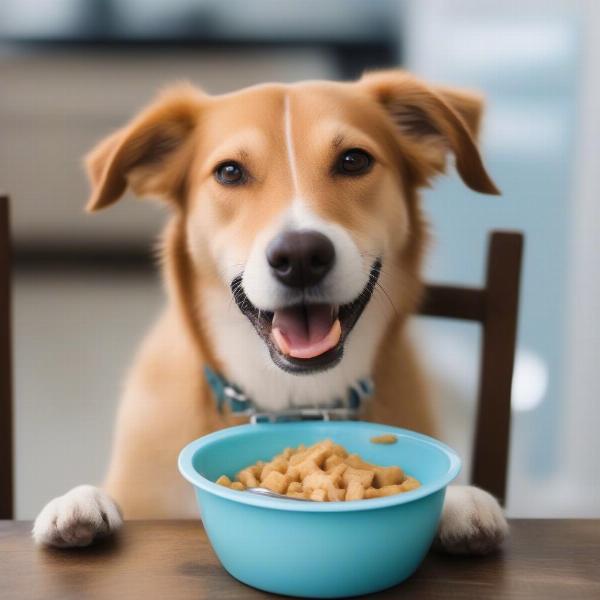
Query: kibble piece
[335,494]
[355,490]
[357,462]
[337,450]
[388,476]
[295,487]
[236,485]
[317,480]
[255,469]
[279,465]
[410,483]
[224,481]
[299,495]
[293,474]
[333,461]
[319,454]
[318,495]
[336,475]
[365,477]
[287,453]
[386,438]
[390,490]
[306,467]
[276,482]
[247,477]
[299,456]
[372,492]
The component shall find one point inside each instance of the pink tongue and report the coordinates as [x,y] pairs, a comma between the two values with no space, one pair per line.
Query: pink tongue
[306,331]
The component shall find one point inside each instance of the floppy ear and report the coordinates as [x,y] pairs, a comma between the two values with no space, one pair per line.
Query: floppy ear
[438,120]
[150,154]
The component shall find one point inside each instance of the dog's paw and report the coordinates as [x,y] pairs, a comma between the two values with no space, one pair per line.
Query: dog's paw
[82,515]
[472,522]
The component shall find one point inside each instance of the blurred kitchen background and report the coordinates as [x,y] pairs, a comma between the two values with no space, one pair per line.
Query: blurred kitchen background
[86,289]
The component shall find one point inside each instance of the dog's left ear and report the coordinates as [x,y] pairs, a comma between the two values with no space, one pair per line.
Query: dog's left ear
[437,120]
[149,155]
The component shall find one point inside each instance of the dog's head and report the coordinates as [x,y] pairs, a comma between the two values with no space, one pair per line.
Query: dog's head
[299,200]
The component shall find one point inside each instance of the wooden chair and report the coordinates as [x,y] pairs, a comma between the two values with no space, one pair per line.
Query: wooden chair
[6,415]
[495,306]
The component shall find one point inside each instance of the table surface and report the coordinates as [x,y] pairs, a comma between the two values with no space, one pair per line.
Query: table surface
[173,559]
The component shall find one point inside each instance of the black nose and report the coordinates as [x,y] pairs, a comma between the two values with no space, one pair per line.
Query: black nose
[300,258]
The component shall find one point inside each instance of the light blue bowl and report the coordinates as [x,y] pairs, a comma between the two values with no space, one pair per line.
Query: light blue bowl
[319,549]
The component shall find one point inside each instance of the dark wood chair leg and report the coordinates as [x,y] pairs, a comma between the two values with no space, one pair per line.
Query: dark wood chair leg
[6,409]
[492,437]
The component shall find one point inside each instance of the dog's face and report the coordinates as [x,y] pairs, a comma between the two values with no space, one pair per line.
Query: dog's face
[299,200]
[298,204]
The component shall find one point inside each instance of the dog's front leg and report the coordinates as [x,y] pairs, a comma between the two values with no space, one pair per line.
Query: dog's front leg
[82,515]
[472,522]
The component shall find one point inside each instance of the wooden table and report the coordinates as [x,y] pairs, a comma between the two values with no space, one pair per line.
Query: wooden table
[173,560]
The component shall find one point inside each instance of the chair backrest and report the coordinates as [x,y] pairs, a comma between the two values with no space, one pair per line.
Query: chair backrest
[6,412]
[496,307]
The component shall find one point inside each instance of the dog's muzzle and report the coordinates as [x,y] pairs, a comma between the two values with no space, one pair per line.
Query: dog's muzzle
[305,337]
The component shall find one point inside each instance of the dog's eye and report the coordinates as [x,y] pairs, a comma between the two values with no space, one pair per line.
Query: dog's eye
[354,162]
[230,173]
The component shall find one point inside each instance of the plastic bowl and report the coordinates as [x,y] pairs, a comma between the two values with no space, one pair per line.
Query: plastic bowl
[319,549]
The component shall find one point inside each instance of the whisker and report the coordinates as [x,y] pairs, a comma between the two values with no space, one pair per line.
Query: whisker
[384,291]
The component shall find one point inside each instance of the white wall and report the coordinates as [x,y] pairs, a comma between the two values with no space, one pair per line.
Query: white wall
[581,486]
[537,62]
[55,106]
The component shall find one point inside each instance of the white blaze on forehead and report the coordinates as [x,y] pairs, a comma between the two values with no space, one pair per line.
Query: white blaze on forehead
[350,272]
[298,214]
[289,143]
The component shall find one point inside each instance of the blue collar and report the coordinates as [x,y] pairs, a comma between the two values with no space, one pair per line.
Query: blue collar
[227,395]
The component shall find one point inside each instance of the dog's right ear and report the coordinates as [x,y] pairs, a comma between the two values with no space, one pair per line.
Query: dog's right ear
[150,155]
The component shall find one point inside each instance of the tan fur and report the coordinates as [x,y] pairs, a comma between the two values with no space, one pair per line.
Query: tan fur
[170,151]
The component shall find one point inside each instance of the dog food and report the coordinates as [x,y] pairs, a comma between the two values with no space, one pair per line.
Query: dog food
[324,472]
[386,438]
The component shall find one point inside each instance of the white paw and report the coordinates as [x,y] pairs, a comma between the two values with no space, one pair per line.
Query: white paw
[472,522]
[77,518]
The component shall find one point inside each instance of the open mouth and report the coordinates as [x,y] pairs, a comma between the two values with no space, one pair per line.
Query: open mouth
[306,337]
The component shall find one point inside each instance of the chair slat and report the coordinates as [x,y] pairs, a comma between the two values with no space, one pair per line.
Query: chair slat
[496,307]
[453,302]
[492,427]
[6,407]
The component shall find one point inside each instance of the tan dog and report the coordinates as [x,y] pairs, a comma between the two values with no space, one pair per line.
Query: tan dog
[292,260]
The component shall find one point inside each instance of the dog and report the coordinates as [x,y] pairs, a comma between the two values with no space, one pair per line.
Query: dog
[292,261]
